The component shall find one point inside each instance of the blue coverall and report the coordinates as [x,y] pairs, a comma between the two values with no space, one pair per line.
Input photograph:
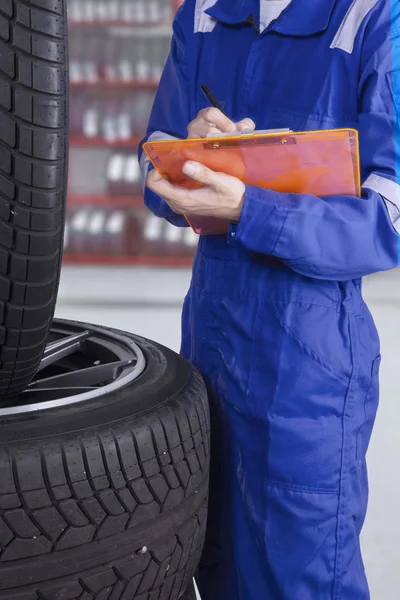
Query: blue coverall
[274,318]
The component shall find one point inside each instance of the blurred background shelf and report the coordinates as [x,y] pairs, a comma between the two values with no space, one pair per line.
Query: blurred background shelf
[114,84]
[137,261]
[80,141]
[137,11]
[118,49]
[118,23]
[106,200]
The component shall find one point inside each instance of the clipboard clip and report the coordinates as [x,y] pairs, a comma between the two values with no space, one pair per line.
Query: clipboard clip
[253,139]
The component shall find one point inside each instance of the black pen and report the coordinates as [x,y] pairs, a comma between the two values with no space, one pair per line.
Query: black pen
[212,100]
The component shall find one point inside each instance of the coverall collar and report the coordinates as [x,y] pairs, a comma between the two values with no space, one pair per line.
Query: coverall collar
[298,19]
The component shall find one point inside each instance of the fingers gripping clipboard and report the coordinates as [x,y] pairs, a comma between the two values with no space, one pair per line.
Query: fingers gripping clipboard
[322,163]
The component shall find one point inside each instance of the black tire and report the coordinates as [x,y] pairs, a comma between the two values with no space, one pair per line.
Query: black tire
[107,499]
[33,176]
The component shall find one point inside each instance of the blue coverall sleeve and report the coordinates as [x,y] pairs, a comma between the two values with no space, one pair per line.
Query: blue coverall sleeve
[170,115]
[340,237]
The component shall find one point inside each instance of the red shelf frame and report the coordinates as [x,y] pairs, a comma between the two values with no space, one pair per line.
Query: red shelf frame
[115,84]
[80,141]
[105,200]
[118,23]
[139,261]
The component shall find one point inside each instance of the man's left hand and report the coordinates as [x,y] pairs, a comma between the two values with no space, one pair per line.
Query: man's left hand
[221,195]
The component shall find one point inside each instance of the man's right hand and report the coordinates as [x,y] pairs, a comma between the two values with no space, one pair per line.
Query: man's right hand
[213,121]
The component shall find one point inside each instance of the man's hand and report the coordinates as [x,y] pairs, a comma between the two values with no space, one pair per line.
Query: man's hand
[212,121]
[221,195]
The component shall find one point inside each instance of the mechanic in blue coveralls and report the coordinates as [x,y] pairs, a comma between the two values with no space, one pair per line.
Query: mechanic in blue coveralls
[274,318]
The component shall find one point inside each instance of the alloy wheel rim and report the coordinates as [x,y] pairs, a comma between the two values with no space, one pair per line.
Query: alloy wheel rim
[80,363]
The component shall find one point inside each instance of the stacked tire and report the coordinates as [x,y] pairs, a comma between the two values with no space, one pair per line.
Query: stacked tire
[33,180]
[107,499]
[104,499]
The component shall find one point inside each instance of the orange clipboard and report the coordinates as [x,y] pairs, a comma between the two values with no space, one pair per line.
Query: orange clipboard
[322,163]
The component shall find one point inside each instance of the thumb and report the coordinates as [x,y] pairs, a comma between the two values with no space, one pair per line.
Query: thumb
[153,177]
[198,172]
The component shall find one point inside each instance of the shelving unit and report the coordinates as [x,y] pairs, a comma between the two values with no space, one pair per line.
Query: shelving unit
[117,52]
[115,84]
[99,200]
[80,141]
[125,260]
[118,23]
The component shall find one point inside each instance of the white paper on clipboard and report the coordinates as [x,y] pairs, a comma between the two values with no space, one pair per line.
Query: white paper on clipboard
[249,132]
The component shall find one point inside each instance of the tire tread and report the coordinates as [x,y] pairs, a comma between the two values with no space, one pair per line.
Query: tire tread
[61,497]
[33,172]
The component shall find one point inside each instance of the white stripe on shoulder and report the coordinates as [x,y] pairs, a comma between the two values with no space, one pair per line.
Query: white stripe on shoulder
[347,33]
[390,192]
[203,23]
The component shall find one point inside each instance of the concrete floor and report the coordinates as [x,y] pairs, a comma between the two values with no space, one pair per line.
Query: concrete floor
[148,302]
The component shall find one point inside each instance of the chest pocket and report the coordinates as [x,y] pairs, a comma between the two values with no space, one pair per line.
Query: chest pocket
[303,92]
[299,121]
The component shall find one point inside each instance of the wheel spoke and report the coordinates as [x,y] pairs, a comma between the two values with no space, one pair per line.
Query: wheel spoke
[89,377]
[81,363]
[62,348]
